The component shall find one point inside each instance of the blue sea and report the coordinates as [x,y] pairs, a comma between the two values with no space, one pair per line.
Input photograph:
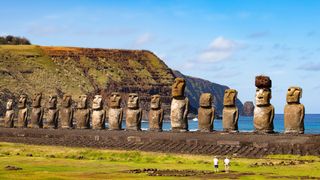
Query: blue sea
[311,123]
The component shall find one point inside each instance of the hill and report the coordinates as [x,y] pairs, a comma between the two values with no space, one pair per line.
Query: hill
[70,70]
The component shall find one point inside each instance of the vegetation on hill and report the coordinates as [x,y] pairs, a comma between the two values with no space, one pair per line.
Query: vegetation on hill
[14,40]
[61,70]
[69,70]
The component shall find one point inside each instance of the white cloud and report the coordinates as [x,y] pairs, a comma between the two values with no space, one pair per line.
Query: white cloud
[188,65]
[310,66]
[219,49]
[143,39]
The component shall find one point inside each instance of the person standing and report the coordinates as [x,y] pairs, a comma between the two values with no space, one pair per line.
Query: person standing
[226,164]
[216,164]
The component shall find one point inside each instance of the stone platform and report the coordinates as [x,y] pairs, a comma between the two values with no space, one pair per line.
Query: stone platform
[214,143]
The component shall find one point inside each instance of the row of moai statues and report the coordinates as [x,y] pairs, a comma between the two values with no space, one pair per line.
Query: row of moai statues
[263,112]
[206,112]
[82,115]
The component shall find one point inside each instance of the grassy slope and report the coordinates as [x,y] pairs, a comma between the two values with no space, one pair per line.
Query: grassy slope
[22,68]
[51,162]
[67,70]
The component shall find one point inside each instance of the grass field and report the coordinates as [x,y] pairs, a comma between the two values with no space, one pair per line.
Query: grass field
[56,162]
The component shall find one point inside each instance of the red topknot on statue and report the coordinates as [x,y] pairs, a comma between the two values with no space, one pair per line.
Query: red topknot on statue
[263,82]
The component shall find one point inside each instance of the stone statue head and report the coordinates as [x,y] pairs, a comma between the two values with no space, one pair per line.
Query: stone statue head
[97,102]
[263,96]
[52,104]
[22,101]
[83,102]
[205,100]
[294,94]
[155,102]
[230,96]
[115,100]
[66,101]
[10,104]
[178,87]
[36,101]
[133,100]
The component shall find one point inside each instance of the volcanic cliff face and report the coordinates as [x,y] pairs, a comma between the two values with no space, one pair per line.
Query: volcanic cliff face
[196,86]
[76,71]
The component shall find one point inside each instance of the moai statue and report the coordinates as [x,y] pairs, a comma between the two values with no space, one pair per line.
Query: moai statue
[264,111]
[37,111]
[23,111]
[294,112]
[179,106]
[155,114]
[66,113]
[53,113]
[9,117]
[205,113]
[82,113]
[133,113]
[98,114]
[230,114]
[115,112]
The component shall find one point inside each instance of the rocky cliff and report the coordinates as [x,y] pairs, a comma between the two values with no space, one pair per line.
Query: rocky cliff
[196,86]
[75,71]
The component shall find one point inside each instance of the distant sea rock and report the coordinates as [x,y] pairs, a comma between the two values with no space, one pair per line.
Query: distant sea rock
[248,108]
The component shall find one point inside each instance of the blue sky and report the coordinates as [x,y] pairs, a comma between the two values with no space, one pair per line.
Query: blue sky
[226,42]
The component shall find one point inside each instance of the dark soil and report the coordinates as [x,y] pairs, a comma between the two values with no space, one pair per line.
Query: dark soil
[15,168]
[184,173]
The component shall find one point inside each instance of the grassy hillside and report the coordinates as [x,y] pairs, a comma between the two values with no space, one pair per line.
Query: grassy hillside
[69,70]
[75,71]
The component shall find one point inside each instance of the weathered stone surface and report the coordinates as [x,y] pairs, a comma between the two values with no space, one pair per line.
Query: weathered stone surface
[133,113]
[248,108]
[115,112]
[9,116]
[66,112]
[230,114]
[155,115]
[23,111]
[294,112]
[179,106]
[37,112]
[263,112]
[206,113]
[263,82]
[98,114]
[82,113]
[52,113]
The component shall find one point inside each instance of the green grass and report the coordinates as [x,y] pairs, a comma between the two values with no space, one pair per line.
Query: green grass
[56,162]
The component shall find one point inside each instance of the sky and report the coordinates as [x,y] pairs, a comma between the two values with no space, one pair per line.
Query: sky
[224,41]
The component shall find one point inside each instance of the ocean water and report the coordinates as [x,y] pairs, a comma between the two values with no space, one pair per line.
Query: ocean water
[245,124]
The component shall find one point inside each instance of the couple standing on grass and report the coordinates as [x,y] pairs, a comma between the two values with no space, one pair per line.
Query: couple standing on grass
[216,164]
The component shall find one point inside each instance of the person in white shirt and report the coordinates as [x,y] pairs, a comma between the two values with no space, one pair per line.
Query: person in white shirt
[216,164]
[226,164]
